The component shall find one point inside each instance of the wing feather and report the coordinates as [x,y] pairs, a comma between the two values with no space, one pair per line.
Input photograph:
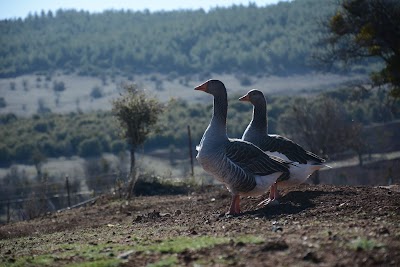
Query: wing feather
[293,151]
[252,159]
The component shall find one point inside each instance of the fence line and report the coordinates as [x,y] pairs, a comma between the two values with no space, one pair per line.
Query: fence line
[52,196]
[19,200]
[57,195]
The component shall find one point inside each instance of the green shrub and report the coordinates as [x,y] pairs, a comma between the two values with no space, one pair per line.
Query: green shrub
[58,86]
[3,103]
[24,152]
[118,146]
[7,118]
[96,92]
[5,155]
[89,148]
[40,127]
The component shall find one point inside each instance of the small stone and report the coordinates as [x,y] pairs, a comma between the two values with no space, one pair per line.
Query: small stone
[383,231]
[240,244]
[193,232]
[276,228]
[310,256]
[178,212]
[125,255]
[275,245]
[154,214]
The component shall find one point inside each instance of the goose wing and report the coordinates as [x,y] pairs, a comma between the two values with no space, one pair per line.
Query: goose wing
[293,151]
[252,159]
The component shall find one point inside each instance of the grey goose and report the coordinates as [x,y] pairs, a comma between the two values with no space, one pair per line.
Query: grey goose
[244,168]
[257,133]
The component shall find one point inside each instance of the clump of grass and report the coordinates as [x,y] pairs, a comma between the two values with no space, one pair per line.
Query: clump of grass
[98,263]
[180,244]
[88,254]
[104,254]
[183,243]
[364,244]
[169,261]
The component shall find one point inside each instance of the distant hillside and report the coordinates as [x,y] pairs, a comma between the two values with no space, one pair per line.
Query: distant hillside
[276,39]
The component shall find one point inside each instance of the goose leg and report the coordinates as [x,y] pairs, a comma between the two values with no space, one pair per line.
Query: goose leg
[235,205]
[271,192]
[275,193]
[272,199]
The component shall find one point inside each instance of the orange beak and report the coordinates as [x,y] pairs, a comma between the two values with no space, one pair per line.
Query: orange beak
[245,98]
[202,87]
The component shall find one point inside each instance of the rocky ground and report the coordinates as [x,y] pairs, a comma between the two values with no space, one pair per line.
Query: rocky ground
[313,225]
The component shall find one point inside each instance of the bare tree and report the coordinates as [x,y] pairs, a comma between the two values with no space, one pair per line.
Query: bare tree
[323,126]
[137,115]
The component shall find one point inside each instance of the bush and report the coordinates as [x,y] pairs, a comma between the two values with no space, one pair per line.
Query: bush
[89,148]
[7,118]
[58,86]
[3,103]
[96,92]
[49,149]
[41,127]
[5,156]
[245,81]
[12,86]
[24,152]
[118,146]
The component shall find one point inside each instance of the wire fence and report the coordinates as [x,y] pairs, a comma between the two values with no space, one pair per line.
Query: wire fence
[24,198]
[34,198]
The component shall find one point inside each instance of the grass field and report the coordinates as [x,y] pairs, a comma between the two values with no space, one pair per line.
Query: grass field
[23,95]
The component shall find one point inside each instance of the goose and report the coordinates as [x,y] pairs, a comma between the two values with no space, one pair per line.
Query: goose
[257,133]
[244,168]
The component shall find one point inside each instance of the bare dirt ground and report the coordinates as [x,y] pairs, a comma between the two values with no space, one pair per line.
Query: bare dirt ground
[313,226]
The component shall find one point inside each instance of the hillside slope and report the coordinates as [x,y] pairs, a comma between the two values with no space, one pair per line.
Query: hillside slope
[325,225]
[276,39]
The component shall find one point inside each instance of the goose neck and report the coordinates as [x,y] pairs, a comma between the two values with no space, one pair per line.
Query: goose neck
[220,110]
[260,117]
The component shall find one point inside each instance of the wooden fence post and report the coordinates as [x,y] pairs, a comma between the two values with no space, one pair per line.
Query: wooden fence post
[67,186]
[190,149]
[8,211]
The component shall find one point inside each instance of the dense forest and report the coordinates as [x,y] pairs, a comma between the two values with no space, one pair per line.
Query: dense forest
[276,39]
[29,140]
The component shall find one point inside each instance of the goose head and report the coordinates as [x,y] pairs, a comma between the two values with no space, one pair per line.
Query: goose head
[254,96]
[213,87]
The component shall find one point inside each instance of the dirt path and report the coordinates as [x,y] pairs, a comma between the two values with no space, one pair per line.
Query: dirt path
[314,225]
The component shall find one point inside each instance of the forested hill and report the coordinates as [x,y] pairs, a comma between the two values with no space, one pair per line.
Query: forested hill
[275,39]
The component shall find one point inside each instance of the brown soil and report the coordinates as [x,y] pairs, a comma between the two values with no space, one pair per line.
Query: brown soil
[313,225]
